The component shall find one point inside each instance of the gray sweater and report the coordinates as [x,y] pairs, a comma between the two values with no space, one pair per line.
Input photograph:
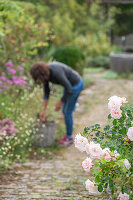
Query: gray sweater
[63,75]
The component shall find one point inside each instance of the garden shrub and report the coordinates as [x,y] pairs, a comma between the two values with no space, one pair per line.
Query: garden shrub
[70,55]
[99,61]
[21,35]
[110,152]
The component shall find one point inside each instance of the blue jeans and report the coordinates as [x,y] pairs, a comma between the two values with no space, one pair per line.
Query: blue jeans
[69,106]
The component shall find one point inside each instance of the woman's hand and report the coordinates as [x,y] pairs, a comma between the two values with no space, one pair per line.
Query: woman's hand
[58,106]
[42,116]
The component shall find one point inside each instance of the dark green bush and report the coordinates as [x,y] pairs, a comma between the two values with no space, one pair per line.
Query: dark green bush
[99,61]
[70,55]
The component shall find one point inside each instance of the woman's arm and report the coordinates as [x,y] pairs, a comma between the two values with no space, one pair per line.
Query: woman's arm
[42,116]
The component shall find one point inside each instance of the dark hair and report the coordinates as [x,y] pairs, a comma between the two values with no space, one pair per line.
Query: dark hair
[40,71]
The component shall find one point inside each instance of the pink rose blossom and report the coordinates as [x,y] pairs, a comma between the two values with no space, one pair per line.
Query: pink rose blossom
[116,113]
[9,64]
[127,164]
[130,133]
[124,196]
[80,142]
[114,102]
[94,150]
[87,164]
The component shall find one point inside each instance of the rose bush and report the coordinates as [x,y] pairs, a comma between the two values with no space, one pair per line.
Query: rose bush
[110,152]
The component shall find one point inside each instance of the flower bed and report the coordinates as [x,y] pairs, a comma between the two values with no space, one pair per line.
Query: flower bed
[110,153]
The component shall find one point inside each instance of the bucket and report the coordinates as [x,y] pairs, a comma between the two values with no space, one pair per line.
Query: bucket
[44,133]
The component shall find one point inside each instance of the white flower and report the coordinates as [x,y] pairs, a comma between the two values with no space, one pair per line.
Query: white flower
[127,164]
[94,150]
[130,133]
[92,189]
[80,142]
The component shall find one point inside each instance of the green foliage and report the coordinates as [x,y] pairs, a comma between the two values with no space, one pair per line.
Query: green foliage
[70,55]
[88,81]
[99,61]
[91,70]
[110,75]
[123,22]
[21,35]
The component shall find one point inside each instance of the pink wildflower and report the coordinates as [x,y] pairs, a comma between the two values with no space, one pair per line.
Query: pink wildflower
[9,64]
[87,164]
[11,70]
[3,78]
[20,68]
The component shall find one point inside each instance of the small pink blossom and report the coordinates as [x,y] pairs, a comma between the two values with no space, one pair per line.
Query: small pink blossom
[11,70]
[3,78]
[124,100]
[130,133]
[124,196]
[9,64]
[0,90]
[127,164]
[94,150]
[20,68]
[87,164]
[0,82]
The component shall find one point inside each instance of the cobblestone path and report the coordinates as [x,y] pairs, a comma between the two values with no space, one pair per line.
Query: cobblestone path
[63,177]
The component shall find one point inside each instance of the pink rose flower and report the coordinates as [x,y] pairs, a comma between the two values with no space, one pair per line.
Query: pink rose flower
[80,142]
[130,133]
[116,113]
[87,164]
[124,196]
[114,102]
[94,150]
[127,164]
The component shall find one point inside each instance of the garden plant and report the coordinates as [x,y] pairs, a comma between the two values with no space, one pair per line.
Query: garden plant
[110,152]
